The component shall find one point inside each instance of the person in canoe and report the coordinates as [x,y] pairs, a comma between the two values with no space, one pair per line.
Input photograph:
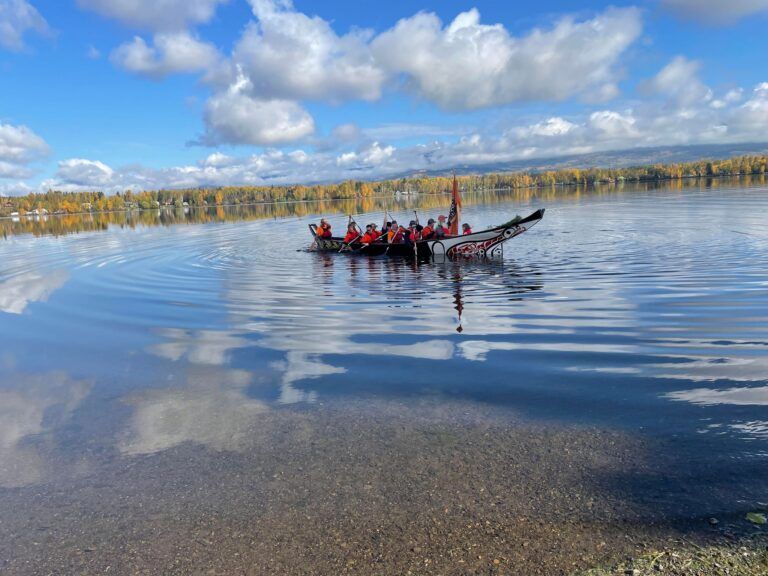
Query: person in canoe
[375,234]
[369,236]
[324,229]
[413,234]
[395,234]
[442,230]
[466,229]
[352,233]
[428,231]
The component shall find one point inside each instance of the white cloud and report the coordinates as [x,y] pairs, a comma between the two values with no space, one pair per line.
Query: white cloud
[554,126]
[172,53]
[469,65]
[289,55]
[731,97]
[716,11]
[16,18]
[611,124]
[752,116]
[372,155]
[20,144]
[8,170]
[19,147]
[218,160]
[669,118]
[162,15]
[18,188]
[285,57]
[679,80]
[236,117]
[87,173]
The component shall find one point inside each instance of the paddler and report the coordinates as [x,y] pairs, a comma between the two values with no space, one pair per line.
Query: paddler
[466,229]
[352,233]
[429,230]
[414,231]
[395,234]
[369,236]
[324,230]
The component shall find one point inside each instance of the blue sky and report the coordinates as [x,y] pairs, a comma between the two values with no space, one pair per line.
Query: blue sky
[115,94]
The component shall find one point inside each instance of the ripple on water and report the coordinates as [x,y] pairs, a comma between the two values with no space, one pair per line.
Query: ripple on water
[614,301]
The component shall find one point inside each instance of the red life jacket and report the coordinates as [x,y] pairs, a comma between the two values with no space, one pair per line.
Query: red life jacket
[468,231]
[427,232]
[367,238]
[395,236]
[351,236]
[415,237]
[324,231]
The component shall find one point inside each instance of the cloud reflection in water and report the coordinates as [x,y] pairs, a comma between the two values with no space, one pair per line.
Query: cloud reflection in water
[30,407]
[18,291]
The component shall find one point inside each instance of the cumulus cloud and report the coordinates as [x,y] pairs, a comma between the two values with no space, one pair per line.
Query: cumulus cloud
[257,98]
[682,111]
[160,15]
[88,173]
[679,80]
[370,156]
[20,144]
[171,53]
[752,117]
[16,18]
[19,147]
[716,11]
[236,117]
[18,188]
[469,65]
[321,64]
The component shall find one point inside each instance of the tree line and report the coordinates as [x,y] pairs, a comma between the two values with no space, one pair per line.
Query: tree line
[58,202]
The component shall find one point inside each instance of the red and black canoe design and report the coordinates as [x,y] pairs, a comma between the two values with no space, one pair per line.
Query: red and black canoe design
[487,243]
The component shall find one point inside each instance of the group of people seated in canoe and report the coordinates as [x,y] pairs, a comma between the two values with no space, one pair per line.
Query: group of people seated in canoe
[392,232]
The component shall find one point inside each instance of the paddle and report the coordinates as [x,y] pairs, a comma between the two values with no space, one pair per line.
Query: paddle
[415,248]
[359,234]
[348,244]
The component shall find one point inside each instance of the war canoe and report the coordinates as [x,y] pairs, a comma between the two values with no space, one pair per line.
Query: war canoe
[485,244]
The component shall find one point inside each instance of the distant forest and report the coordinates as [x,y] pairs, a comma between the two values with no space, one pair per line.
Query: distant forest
[56,202]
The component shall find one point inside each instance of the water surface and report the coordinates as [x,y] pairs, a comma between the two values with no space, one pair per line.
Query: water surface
[639,311]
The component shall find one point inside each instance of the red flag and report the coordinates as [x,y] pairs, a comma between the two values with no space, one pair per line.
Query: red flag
[455,214]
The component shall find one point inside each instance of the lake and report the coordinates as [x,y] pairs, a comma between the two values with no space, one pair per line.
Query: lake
[198,393]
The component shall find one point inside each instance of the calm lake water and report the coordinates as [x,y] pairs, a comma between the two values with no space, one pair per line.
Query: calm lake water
[641,311]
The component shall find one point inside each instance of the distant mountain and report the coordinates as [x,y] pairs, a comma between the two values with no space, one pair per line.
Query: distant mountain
[616,159]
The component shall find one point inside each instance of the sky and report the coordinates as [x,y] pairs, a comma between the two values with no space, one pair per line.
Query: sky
[145,94]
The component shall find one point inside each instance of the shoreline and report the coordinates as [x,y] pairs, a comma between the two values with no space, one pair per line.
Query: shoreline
[394,197]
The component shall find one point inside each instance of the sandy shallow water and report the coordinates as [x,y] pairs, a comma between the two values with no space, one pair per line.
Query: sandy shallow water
[363,487]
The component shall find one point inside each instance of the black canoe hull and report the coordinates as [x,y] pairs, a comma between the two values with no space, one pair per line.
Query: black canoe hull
[487,243]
